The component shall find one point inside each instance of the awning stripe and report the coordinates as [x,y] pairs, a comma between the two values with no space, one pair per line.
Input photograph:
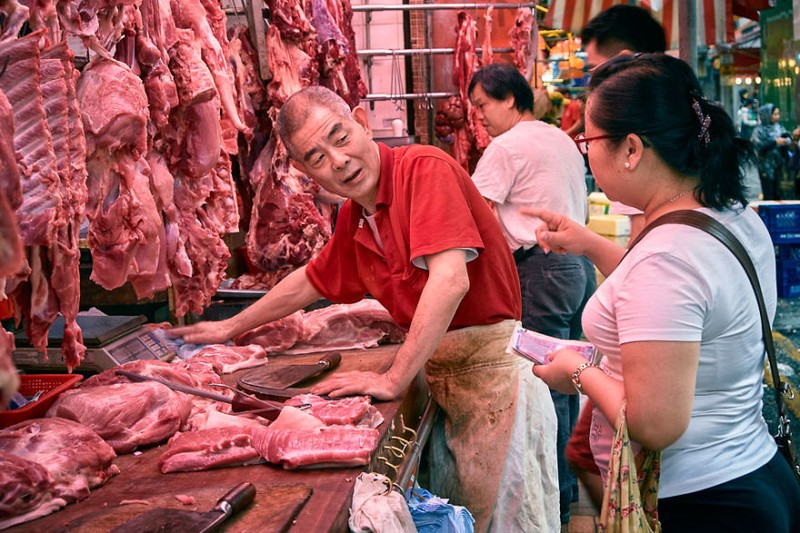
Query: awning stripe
[714,17]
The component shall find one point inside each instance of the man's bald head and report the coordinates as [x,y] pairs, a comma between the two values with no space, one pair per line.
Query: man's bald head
[298,107]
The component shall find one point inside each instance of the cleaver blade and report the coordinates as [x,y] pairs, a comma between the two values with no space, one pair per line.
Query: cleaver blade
[182,521]
[285,376]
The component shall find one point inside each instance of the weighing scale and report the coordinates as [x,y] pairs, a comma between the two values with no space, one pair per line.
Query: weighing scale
[110,341]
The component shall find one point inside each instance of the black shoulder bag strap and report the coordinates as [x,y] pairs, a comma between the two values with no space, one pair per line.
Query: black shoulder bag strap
[706,223]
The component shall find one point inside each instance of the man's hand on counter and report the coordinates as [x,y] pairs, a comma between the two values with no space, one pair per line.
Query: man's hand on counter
[208,332]
[379,386]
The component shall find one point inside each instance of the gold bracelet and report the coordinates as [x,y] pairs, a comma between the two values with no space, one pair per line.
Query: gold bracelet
[576,376]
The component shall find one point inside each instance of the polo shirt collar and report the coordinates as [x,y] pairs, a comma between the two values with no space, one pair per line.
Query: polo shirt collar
[385,186]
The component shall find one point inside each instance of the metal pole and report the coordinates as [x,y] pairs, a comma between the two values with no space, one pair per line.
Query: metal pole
[426,7]
[687,33]
[416,51]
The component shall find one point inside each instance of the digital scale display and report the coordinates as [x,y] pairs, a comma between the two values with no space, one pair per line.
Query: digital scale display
[110,341]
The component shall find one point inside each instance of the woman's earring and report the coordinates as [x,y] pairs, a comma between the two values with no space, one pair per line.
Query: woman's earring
[627,164]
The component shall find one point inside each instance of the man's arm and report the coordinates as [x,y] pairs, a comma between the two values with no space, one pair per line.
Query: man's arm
[293,292]
[448,282]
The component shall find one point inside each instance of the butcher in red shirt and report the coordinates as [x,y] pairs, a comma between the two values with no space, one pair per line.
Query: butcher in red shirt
[416,235]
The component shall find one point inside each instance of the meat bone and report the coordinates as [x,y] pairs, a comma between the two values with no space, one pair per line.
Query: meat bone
[239,403]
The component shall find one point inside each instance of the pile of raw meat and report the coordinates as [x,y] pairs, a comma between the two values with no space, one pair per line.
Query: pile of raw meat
[47,463]
[135,152]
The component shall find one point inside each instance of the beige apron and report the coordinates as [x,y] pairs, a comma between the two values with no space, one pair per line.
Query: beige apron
[475,382]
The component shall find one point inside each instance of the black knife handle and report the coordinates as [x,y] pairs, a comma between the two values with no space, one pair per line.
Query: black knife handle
[236,499]
[331,360]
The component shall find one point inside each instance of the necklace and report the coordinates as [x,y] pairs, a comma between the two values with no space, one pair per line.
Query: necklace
[671,200]
[678,196]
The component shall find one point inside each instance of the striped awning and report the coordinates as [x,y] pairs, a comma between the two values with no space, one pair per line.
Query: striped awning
[714,18]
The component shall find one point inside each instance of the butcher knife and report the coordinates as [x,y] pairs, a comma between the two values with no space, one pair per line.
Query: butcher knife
[183,521]
[282,377]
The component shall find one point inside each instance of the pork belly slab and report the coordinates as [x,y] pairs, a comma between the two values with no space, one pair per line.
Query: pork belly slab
[126,415]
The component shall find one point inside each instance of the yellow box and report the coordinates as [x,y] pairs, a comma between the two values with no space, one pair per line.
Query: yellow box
[615,225]
[598,204]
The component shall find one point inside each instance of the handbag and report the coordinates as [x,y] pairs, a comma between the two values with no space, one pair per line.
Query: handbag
[630,498]
[696,219]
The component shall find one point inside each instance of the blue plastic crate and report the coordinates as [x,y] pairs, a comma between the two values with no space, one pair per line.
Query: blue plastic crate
[788,277]
[782,221]
[787,251]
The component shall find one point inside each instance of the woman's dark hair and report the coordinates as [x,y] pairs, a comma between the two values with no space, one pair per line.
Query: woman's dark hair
[499,81]
[658,97]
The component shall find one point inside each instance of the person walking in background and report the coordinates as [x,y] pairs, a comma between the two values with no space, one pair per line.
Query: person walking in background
[746,119]
[620,29]
[682,345]
[533,164]
[771,141]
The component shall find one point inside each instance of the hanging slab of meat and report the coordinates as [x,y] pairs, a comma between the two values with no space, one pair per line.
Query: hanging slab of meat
[191,14]
[486,53]
[523,36]
[14,16]
[64,122]
[74,455]
[227,359]
[364,324]
[39,212]
[286,228]
[464,63]
[336,57]
[10,185]
[26,491]
[114,107]
[355,410]
[126,415]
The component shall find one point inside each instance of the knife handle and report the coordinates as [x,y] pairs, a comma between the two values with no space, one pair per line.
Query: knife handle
[236,499]
[331,360]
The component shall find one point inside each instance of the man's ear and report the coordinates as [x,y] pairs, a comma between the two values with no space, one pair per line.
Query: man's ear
[360,116]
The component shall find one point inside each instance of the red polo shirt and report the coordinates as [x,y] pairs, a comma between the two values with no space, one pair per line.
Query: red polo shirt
[426,203]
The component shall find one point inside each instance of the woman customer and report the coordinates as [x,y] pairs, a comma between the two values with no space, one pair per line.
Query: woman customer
[676,319]
[772,142]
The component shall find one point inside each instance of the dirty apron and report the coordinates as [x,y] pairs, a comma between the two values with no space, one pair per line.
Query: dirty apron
[493,449]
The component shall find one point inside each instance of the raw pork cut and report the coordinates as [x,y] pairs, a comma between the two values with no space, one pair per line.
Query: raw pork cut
[75,456]
[326,446]
[126,415]
[176,372]
[337,327]
[205,449]
[226,359]
[356,410]
[26,491]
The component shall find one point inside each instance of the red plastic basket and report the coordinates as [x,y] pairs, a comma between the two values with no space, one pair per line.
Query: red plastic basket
[30,384]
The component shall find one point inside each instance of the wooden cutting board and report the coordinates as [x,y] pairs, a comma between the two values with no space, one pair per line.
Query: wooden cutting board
[273,510]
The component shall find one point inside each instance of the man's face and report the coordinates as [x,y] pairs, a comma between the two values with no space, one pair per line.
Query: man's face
[338,153]
[497,116]
[596,56]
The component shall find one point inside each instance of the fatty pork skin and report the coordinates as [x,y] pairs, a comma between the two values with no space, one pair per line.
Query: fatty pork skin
[126,415]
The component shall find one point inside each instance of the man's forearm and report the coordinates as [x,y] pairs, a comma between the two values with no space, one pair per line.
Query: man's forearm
[447,284]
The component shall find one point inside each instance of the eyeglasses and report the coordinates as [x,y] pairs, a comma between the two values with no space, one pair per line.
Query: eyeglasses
[582,141]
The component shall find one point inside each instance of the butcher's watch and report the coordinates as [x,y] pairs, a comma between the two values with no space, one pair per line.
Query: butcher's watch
[576,376]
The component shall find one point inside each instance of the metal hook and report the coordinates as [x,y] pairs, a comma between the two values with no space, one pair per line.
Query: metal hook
[390,465]
[397,452]
[401,439]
